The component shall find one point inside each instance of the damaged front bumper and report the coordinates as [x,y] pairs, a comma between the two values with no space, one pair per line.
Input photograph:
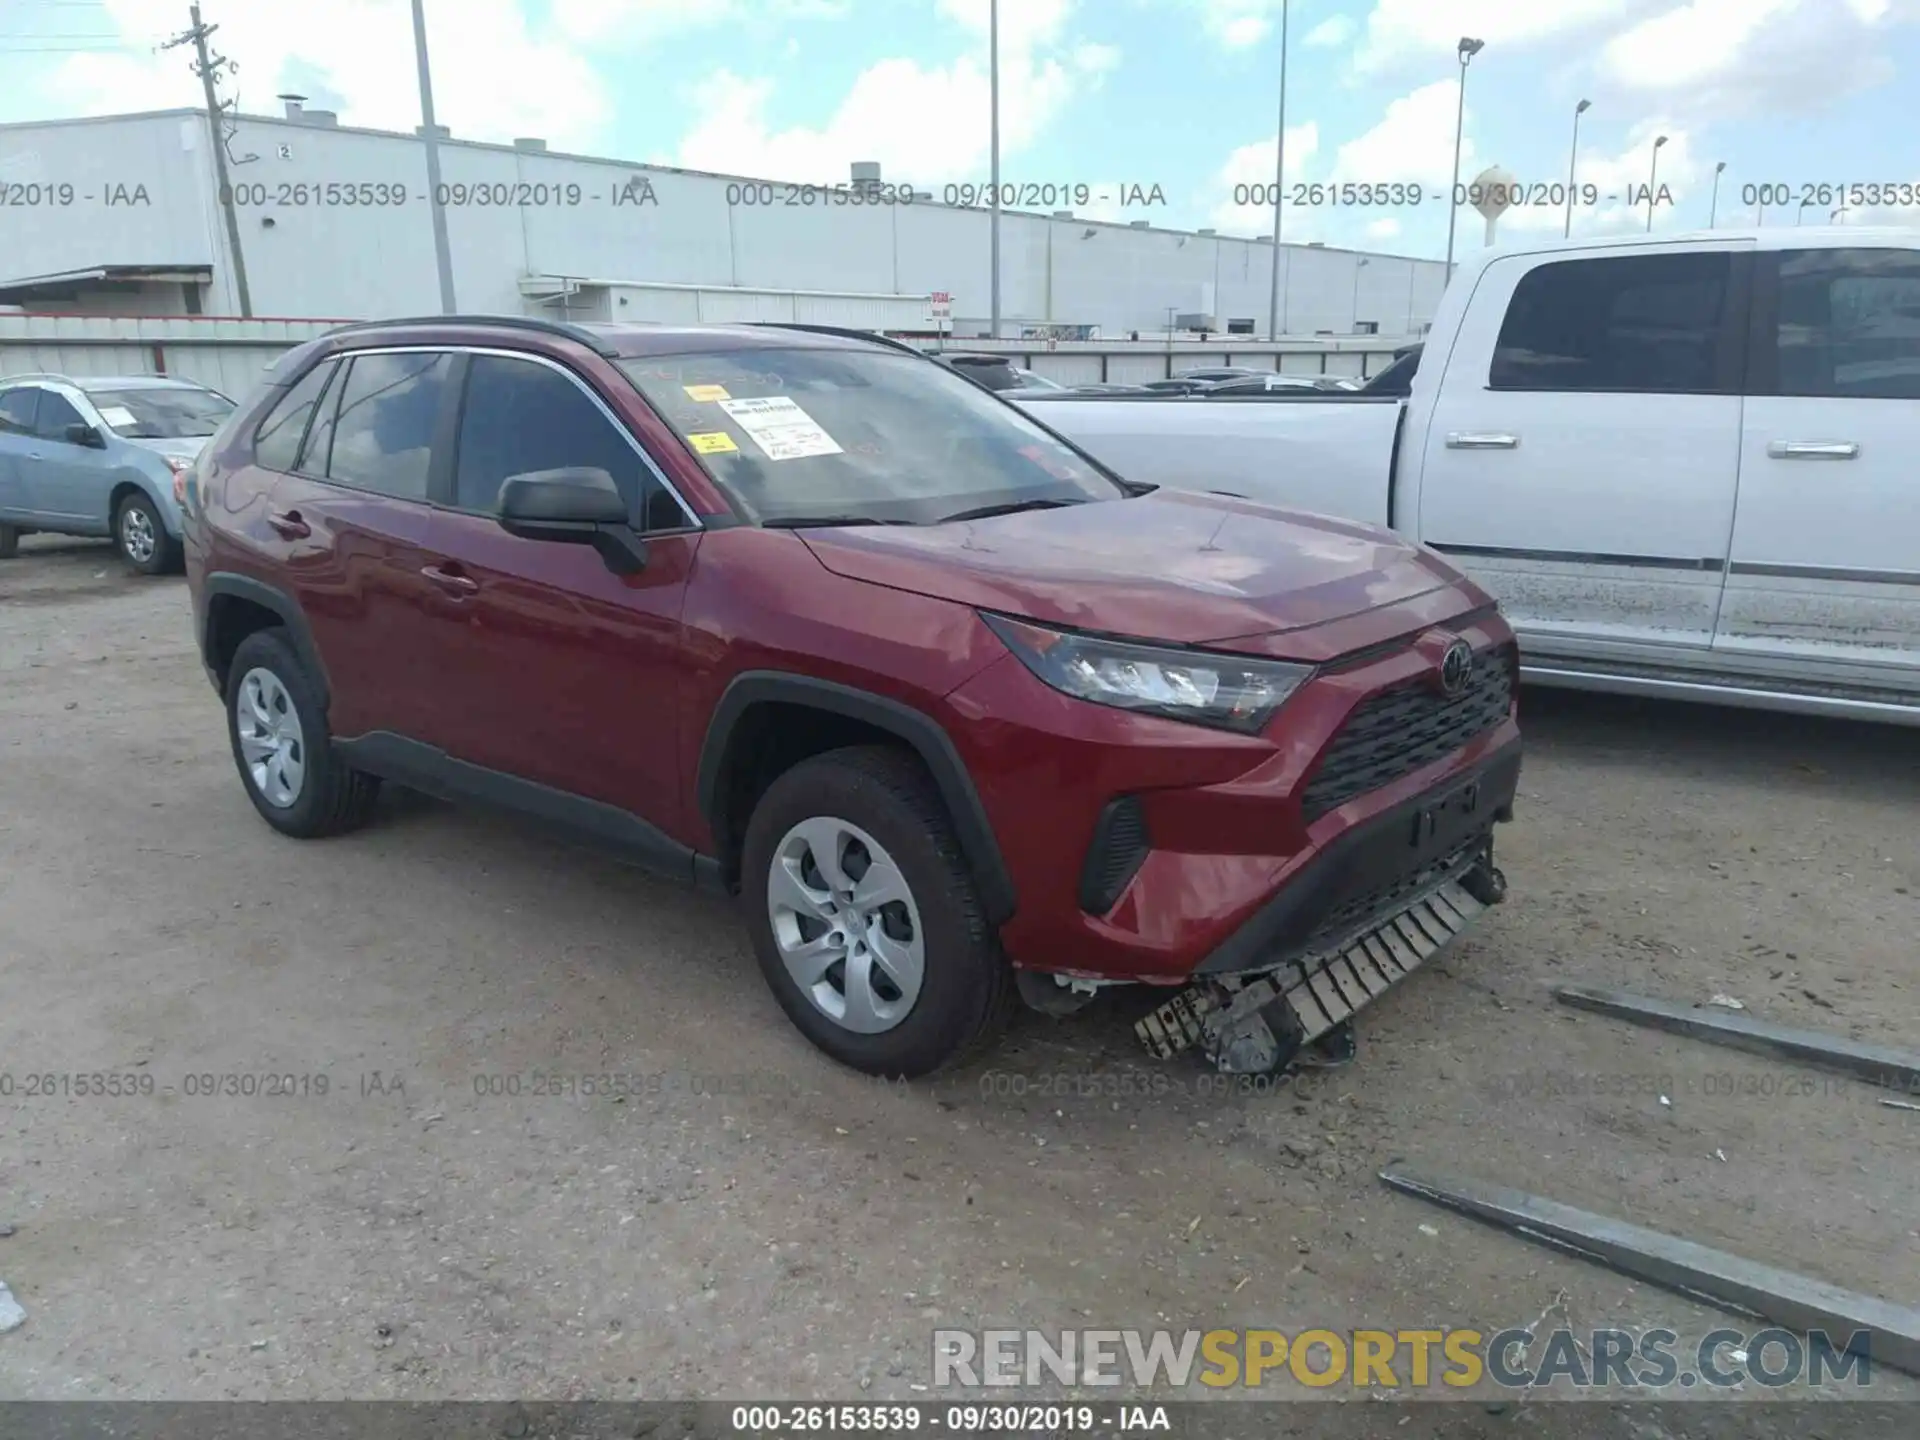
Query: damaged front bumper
[1379,902]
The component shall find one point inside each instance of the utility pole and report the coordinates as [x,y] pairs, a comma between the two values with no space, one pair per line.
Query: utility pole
[993,100]
[207,66]
[430,133]
[1279,184]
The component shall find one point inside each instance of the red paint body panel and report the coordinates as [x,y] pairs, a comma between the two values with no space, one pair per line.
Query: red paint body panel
[603,686]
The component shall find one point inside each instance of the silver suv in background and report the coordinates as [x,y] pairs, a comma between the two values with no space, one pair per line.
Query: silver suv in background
[102,455]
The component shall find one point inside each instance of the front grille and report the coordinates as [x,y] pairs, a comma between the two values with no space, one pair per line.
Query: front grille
[1119,848]
[1400,729]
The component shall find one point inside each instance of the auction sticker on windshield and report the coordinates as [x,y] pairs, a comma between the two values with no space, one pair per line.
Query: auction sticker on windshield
[117,416]
[713,442]
[705,393]
[780,427]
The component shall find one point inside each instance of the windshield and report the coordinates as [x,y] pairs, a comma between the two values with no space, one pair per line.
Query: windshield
[162,413]
[794,435]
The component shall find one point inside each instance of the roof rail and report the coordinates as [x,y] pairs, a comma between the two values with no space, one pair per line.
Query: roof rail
[599,344]
[846,332]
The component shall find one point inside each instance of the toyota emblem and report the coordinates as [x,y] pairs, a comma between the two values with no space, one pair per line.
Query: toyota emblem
[1456,669]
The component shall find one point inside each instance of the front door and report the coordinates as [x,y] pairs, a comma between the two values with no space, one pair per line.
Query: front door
[1824,580]
[555,669]
[1583,449]
[67,484]
[348,525]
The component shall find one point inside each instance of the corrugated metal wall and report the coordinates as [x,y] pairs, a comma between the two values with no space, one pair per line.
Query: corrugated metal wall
[227,355]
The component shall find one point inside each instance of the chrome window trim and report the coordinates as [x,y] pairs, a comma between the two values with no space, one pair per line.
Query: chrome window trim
[694,522]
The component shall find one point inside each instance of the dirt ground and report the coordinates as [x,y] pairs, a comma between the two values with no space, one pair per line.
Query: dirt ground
[420,1230]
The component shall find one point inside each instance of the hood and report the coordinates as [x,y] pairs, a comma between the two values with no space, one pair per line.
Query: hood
[183,448]
[1187,567]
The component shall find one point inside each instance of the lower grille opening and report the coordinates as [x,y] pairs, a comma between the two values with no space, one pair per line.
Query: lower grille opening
[1120,846]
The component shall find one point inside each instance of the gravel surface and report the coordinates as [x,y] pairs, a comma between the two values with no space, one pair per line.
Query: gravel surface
[757,1222]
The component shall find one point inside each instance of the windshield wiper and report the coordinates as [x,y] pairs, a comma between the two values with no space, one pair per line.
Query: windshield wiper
[1010,507]
[808,522]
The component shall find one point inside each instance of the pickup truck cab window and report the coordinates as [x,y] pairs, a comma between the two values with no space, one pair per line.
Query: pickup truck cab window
[1640,323]
[1847,325]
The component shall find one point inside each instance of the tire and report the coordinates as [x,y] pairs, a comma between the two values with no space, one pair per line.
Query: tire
[142,539]
[965,988]
[328,797]
[9,541]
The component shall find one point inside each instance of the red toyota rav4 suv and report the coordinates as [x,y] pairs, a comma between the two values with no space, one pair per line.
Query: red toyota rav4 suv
[802,615]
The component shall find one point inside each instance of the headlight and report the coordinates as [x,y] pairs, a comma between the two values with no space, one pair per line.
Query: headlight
[1200,686]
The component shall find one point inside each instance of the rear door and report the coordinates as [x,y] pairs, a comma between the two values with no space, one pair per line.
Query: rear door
[552,668]
[1824,580]
[1582,455]
[350,522]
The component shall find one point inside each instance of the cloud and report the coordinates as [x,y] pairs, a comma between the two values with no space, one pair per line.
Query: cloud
[1421,33]
[1412,141]
[1385,228]
[631,23]
[494,77]
[1249,170]
[1237,24]
[1729,58]
[1331,33]
[1620,180]
[921,123]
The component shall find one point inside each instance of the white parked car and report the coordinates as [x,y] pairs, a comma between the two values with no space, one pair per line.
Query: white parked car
[1685,465]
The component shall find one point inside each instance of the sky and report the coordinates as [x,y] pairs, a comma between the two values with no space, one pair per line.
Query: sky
[1121,96]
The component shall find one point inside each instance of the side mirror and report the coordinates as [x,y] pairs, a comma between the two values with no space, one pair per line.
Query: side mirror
[83,434]
[577,505]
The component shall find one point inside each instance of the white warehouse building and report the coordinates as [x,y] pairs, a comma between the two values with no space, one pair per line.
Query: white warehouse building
[122,216]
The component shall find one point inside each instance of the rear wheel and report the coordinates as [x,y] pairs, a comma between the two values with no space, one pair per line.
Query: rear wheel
[864,916]
[287,762]
[9,541]
[141,537]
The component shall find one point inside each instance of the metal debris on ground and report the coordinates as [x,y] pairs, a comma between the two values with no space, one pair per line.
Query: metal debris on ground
[1900,1105]
[1796,1301]
[1876,1064]
[1725,1002]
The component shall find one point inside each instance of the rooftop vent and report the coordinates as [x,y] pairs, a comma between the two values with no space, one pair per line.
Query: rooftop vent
[1209,232]
[294,104]
[440,132]
[533,144]
[325,119]
[1138,224]
[1063,214]
[866,172]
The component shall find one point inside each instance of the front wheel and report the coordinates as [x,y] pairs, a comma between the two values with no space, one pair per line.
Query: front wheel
[864,915]
[141,537]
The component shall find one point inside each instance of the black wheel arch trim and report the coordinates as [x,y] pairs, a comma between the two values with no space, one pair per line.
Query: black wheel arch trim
[918,729]
[224,583]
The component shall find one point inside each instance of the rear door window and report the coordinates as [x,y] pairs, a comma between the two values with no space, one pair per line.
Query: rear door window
[1847,325]
[383,430]
[1644,324]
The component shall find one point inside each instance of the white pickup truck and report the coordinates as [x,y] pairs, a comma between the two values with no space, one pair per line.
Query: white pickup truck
[1686,466]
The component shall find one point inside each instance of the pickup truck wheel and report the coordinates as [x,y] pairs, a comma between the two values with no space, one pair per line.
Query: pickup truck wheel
[143,540]
[9,541]
[864,916]
[287,763]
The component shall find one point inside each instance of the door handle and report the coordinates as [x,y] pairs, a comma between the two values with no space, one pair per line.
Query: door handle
[451,581]
[1814,449]
[1480,440]
[288,524]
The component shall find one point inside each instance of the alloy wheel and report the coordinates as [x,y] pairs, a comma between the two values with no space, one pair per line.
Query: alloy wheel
[137,536]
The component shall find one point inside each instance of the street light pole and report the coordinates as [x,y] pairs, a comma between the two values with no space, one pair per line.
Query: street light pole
[1713,209]
[1573,160]
[1359,264]
[1468,48]
[430,133]
[1279,183]
[1652,176]
[993,93]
